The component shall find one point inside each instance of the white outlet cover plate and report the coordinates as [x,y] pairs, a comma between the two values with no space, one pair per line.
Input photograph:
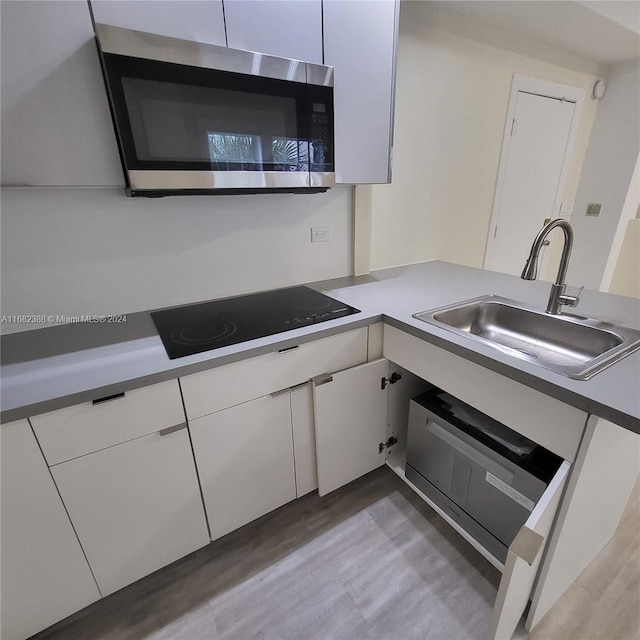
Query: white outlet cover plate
[320,234]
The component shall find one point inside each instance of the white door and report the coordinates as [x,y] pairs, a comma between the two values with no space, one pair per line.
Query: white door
[351,423]
[530,189]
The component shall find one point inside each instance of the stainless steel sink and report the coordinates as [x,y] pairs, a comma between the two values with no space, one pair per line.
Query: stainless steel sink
[573,346]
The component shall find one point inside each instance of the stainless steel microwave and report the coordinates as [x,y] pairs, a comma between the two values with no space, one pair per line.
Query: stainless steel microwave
[194,118]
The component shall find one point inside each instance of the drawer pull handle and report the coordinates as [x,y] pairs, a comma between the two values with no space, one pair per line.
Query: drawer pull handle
[297,346]
[322,379]
[527,545]
[281,392]
[168,430]
[115,396]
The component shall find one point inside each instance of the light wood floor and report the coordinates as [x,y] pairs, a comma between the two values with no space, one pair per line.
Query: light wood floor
[368,561]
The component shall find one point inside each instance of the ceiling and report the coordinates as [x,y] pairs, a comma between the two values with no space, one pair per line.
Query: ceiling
[602,31]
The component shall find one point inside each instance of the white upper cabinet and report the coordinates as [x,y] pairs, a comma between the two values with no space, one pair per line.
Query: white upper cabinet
[360,42]
[286,28]
[199,20]
[56,127]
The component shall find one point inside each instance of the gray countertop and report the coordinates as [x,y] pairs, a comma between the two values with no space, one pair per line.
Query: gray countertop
[48,369]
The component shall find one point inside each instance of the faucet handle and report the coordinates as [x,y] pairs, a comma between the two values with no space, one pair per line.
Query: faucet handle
[571,301]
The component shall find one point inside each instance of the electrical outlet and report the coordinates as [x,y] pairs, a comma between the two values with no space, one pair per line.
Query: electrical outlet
[320,234]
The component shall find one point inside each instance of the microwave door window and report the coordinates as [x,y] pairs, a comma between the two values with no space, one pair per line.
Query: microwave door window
[229,151]
[178,126]
[290,154]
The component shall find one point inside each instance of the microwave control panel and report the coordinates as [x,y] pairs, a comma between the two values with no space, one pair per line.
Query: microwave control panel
[320,138]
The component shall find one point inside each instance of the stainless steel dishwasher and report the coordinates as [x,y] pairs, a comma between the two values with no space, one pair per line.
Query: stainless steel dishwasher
[486,476]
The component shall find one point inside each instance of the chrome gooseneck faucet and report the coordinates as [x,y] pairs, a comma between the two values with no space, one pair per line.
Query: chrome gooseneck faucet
[557,297]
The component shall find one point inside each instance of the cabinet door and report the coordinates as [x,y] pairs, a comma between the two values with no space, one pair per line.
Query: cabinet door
[136,506]
[45,576]
[287,28]
[523,559]
[244,456]
[56,127]
[351,422]
[360,42]
[199,20]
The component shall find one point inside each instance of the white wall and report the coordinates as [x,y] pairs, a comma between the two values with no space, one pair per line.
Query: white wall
[606,177]
[91,251]
[454,79]
[625,279]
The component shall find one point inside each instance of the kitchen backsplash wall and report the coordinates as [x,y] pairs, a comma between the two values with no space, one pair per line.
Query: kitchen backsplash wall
[72,252]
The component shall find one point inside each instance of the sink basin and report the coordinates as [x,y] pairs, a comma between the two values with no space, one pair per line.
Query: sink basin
[573,346]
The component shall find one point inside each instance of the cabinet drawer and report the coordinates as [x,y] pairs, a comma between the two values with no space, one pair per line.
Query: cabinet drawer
[75,431]
[545,420]
[524,557]
[231,384]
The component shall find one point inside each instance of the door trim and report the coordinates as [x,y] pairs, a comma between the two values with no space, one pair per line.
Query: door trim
[545,88]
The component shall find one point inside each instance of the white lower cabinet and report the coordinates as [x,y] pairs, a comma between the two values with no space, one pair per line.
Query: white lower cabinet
[45,576]
[360,415]
[136,506]
[358,419]
[244,456]
[351,423]
[252,427]
[134,497]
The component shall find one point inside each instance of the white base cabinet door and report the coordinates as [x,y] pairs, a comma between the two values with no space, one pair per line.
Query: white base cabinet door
[351,423]
[244,456]
[45,576]
[136,506]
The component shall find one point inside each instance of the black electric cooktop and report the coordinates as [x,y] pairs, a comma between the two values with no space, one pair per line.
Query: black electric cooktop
[211,325]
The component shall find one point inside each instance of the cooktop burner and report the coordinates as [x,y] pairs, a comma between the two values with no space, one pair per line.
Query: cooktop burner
[211,325]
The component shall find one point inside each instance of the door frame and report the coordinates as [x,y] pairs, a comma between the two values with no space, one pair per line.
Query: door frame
[548,89]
